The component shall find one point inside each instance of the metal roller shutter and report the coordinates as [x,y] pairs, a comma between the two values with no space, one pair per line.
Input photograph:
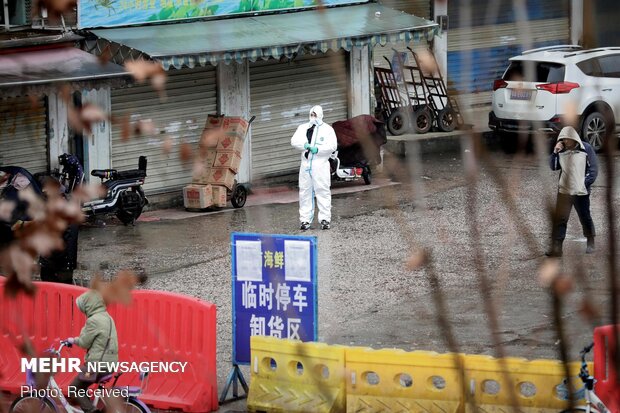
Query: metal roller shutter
[492,37]
[23,133]
[281,95]
[190,96]
[605,32]
[420,8]
[488,12]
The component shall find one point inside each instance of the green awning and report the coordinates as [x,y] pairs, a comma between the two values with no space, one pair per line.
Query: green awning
[269,36]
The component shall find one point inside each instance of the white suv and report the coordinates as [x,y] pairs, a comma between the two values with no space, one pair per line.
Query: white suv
[540,86]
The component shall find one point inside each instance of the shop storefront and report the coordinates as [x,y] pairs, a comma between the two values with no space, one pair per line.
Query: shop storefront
[36,90]
[271,65]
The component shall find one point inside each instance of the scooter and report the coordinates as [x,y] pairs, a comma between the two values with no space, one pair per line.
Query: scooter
[125,196]
[348,173]
[60,264]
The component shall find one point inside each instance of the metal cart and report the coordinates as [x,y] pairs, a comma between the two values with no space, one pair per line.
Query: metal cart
[445,108]
[403,104]
[412,87]
[239,192]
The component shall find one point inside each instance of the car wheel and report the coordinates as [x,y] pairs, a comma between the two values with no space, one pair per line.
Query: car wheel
[594,129]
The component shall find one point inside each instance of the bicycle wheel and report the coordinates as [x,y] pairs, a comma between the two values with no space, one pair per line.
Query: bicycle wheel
[131,405]
[580,409]
[29,404]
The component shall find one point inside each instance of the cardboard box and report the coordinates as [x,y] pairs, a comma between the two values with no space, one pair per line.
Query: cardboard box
[206,158]
[219,195]
[197,196]
[235,125]
[214,121]
[209,159]
[201,178]
[230,160]
[200,173]
[209,138]
[221,176]
[229,143]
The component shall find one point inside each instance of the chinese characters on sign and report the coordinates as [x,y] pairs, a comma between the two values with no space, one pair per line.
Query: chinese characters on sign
[274,289]
[109,13]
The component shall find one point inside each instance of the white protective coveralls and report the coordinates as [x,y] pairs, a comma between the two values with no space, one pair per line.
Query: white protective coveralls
[314,172]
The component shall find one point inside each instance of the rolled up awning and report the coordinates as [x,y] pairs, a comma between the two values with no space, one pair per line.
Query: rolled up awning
[38,72]
[266,36]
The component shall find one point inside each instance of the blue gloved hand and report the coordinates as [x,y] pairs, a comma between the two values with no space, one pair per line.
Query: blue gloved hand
[314,149]
[306,146]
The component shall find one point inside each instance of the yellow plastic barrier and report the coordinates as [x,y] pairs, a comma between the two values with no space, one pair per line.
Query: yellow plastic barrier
[534,384]
[399,381]
[291,376]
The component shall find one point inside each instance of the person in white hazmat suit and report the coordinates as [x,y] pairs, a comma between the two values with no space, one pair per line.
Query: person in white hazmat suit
[317,141]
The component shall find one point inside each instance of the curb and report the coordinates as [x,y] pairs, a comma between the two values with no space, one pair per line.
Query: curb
[431,143]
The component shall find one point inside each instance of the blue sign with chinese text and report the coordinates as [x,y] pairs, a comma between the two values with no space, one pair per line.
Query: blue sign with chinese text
[274,289]
[110,13]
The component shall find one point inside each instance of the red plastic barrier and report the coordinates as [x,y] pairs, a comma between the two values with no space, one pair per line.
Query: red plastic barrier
[604,370]
[157,326]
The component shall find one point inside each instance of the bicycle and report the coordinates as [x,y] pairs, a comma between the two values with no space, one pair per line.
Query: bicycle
[47,404]
[593,403]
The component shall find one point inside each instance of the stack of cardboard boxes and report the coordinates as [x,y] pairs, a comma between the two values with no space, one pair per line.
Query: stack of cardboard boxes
[221,147]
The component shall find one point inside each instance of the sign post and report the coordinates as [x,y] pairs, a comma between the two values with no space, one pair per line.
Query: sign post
[274,286]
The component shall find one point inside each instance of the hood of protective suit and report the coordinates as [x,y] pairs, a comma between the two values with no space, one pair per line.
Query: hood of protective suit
[568,132]
[90,303]
[318,110]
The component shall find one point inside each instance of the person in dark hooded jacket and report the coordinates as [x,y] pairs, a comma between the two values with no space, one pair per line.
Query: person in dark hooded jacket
[98,337]
[576,160]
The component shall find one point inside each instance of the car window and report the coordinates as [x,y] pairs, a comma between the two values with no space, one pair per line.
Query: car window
[542,72]
[590,67]
[610,65]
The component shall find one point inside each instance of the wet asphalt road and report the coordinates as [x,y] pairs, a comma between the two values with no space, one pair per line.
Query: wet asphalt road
[366,296]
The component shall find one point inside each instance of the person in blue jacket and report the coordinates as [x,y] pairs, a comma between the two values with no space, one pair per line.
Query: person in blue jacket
[576,160]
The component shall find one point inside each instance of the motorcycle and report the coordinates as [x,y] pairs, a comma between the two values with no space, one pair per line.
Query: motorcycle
[359,170]
[124,194]
[359,147]
[60,264]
